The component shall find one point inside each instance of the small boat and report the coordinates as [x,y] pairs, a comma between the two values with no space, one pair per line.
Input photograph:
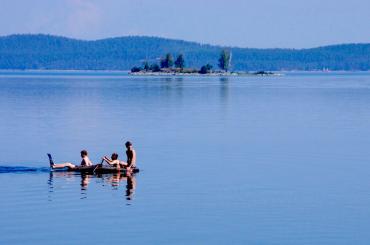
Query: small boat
[82,169]
[109,169]
[97,168]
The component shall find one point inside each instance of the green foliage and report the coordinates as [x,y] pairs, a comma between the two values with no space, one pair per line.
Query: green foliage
[146,66]
[206,69]
[135,69]
[163,63]
[180,61]
[155,68]
[51,52]
[167,61]
[224,60]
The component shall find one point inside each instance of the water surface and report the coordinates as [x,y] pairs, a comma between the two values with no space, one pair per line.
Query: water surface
[239,160]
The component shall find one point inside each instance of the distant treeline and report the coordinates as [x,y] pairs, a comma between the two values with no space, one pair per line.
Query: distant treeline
[52,52]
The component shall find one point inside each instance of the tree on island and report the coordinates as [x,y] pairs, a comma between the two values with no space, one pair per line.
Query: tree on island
[224,60]
[146,66]
[206,69]
[154,67]
[167,61]
[135,69]
[180,62]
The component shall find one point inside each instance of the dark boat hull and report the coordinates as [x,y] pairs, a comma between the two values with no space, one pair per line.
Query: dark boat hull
[104,170]
[96,169]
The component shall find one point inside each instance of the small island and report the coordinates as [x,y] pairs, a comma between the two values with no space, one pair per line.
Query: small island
[167,66]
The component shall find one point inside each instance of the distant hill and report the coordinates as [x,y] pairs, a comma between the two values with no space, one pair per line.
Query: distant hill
[53,52]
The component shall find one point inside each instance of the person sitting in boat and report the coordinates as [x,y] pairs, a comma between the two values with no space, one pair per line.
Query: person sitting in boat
[84,163]
[131,157]
[113,161]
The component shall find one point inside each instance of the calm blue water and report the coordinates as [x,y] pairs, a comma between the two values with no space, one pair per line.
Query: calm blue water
[239,160]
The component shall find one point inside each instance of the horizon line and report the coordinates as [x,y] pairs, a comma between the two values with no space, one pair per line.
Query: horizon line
[173,39]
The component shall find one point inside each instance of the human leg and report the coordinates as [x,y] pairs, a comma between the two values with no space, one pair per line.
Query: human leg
[64,165]
[59,165]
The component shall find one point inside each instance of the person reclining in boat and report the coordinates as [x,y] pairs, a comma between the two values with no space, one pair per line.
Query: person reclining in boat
[131,157]
[84,163]
[113,161]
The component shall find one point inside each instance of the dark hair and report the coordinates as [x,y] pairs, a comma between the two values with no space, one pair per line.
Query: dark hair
[128,143]
[84,153]
[114,156]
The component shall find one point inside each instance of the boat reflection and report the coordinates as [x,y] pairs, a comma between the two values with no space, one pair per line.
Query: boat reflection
[86,180]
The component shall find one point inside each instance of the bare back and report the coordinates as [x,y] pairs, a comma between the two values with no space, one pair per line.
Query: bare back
[131,157]
[86,161]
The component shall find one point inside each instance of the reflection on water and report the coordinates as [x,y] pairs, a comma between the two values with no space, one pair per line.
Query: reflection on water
[224,89]
[114,180]
[85,180]
[270,160]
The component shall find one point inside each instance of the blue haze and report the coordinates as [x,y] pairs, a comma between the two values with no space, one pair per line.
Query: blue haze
[252,23]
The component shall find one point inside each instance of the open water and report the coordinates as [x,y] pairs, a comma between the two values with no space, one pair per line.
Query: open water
[238,160]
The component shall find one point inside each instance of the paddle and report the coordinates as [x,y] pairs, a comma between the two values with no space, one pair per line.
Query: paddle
[97,165]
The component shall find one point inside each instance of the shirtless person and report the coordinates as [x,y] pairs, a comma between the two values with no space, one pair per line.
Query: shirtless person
[113,161]
[131,157]
[84,163]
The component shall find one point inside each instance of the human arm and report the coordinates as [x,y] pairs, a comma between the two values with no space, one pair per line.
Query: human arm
[107,160]
[111,162]
[133,160]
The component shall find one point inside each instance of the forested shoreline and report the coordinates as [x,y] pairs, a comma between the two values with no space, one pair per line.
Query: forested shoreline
[60,53]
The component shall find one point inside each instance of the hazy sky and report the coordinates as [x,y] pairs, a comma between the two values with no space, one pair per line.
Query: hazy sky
[245,23]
